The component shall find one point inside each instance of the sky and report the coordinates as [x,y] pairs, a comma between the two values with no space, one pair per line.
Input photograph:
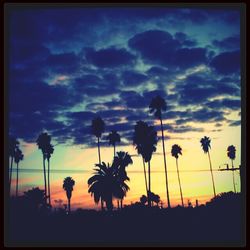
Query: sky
[68,65]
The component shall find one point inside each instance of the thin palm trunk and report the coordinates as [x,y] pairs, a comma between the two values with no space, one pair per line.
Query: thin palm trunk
[165,163]
[233,177]
[145,176]
[211,172]
[118,205]
[49,181]
[11,164]
[16,179]
[149,185]
[114,150]
[121,203]
[99,153]
[69,209]
[45,183]
[179,182]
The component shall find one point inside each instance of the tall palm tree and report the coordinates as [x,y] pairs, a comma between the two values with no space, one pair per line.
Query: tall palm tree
[113,138]
[231,154]
[205,144]
[138,141]
[13,145]
[176,151]
[98,127]
[68,185]
[18,157]
[106,184]
[43,141]
[156,106]
[49,152]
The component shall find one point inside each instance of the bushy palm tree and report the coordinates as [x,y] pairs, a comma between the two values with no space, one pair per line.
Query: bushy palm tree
[68,185]
[98,127]
[205,144]
[13,145]
[113,138]
[43,142]
[176,151]
[18,157]
[49,152]
[231,154]
[106,184]
[157,106]
[145,146]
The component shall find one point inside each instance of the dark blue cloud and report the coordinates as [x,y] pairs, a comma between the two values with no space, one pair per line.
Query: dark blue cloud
[132,78]
[109,57]
[235,123]
[233,104]
[206,115]
[229,43]
[227,62]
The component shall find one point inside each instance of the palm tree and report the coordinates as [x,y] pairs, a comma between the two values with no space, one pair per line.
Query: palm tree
[35,198]
[176,151]
[106,184]
[98,127]
[43,141]
[146,145]
[13,144]
[113,138]
[231,154]
[68,184]
[143,199]
[205,144]
[49,152]
[18,157]
[156,106]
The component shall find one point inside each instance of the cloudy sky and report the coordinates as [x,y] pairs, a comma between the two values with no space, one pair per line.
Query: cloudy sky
[68,65]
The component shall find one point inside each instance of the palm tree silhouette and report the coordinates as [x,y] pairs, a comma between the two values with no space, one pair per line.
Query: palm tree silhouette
[35,197]
[143,199]
[43,142]
[49,152]
[13,145]
[113,138]
[231,154]
[146,145]
[205,144]
[156,106]
[18,157]
[68,184]
[106,184]
[176,151]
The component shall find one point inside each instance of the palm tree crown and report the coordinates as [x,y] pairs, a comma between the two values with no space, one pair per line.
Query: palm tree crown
[18,155]
[68,184]
[98,126]
[13,144]
[43,141]
[231,152]
[157,105]
[113,137]
[205,143]
[176,151]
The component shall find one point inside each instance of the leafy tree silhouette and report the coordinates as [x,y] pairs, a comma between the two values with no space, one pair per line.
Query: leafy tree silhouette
[18,157]
[143,199]
[106,184]
[13,145]
[68,185]
[35,198]
[113,138]
[43,142]
[49,152]
[205,144]
[156,106]
[176,151]
[231,154]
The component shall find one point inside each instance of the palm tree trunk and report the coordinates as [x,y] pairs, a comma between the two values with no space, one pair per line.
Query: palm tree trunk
[49,181]
[99,153]
[149,185]
[179,182]
[114,150]
[11,164]
[121,203]
[16,179]
[45,184]
[109,203]
[211,172]
[165,163]
[233,176]
[145,176]
[69,206]
[118,205]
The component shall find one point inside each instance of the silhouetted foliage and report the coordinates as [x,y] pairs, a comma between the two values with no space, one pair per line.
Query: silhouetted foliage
[68,185]
[231,154]
[18,157]
[113,138]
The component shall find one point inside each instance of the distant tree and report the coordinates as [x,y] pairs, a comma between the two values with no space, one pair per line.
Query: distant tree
[231,154]
[176,151]
[49,152]
[18,157]
[205,144]
[68,185]
[13,145]
[43,141]
[143,199]
[113,138]
[106,184]
[155,198]
[35,197]
[157,106]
